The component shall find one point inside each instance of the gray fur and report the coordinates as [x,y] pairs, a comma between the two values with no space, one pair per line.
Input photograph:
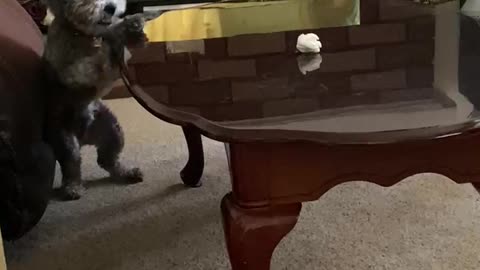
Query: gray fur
[81,60]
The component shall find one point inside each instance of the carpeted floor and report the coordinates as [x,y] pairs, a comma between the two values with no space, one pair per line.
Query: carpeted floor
[424,223]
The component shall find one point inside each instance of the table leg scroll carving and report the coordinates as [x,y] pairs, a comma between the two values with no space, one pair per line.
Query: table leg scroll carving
[193,170]
[270,180]
[253,233]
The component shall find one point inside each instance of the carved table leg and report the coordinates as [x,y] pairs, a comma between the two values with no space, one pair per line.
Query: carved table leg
[269,180]
[476,186]
[253,233]
[192,172]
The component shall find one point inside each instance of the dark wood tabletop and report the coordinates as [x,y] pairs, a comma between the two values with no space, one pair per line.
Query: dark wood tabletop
[392,97]
[407,78]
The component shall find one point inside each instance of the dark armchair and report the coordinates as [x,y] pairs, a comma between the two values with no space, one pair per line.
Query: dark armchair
[27,164]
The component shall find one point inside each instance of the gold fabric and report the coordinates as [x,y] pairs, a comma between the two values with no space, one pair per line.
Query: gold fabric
[230,19]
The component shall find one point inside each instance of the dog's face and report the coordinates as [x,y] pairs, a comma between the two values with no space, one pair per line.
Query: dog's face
[88,16]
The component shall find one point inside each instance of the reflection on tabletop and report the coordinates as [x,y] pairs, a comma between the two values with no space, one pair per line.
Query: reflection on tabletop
[401,70]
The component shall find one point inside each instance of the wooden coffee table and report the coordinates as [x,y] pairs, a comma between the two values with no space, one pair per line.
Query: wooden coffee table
[392,98]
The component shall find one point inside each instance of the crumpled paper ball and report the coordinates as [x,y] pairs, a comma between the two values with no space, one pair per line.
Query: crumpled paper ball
[309,62]
[309,43]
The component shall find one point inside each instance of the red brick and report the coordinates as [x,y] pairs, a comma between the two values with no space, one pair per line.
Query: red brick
[315,84]
[377,33]
[333,38]
[186,46]
[348,100]
[403,55]
[420,76]
[369,11]
[396,79]
[154,52]
[421,28]
[276,65]
[160,73]
[405,95]
[181,57]
[336,84]
[233,112]
[184,51]
[246,45]
[216,48]
[356,60]
[402,9]
[209,70]
[201,93]
[158,92]
[289,106]
[316,90]
[274,88]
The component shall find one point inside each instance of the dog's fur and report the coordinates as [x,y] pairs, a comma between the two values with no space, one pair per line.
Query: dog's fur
[85,42]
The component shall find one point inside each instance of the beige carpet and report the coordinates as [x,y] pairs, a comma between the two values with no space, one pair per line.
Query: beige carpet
[425,223]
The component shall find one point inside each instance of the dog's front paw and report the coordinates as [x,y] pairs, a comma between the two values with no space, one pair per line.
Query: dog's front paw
[72,192]
[134,25]
[131,176]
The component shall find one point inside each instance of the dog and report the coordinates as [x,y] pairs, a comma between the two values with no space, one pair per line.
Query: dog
[85,41]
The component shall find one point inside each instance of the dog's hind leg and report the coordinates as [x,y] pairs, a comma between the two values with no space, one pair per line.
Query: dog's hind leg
[67,151]
[107,135]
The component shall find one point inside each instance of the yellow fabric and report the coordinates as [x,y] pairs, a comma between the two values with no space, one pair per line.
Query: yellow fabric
[3,265]
[230,19]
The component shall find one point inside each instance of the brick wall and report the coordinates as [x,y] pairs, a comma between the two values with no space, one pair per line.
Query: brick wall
[391,50]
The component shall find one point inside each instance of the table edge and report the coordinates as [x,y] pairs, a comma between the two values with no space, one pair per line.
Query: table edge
[232,135]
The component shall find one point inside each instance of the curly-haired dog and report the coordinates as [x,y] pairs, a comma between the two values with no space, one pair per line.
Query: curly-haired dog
[81,58]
